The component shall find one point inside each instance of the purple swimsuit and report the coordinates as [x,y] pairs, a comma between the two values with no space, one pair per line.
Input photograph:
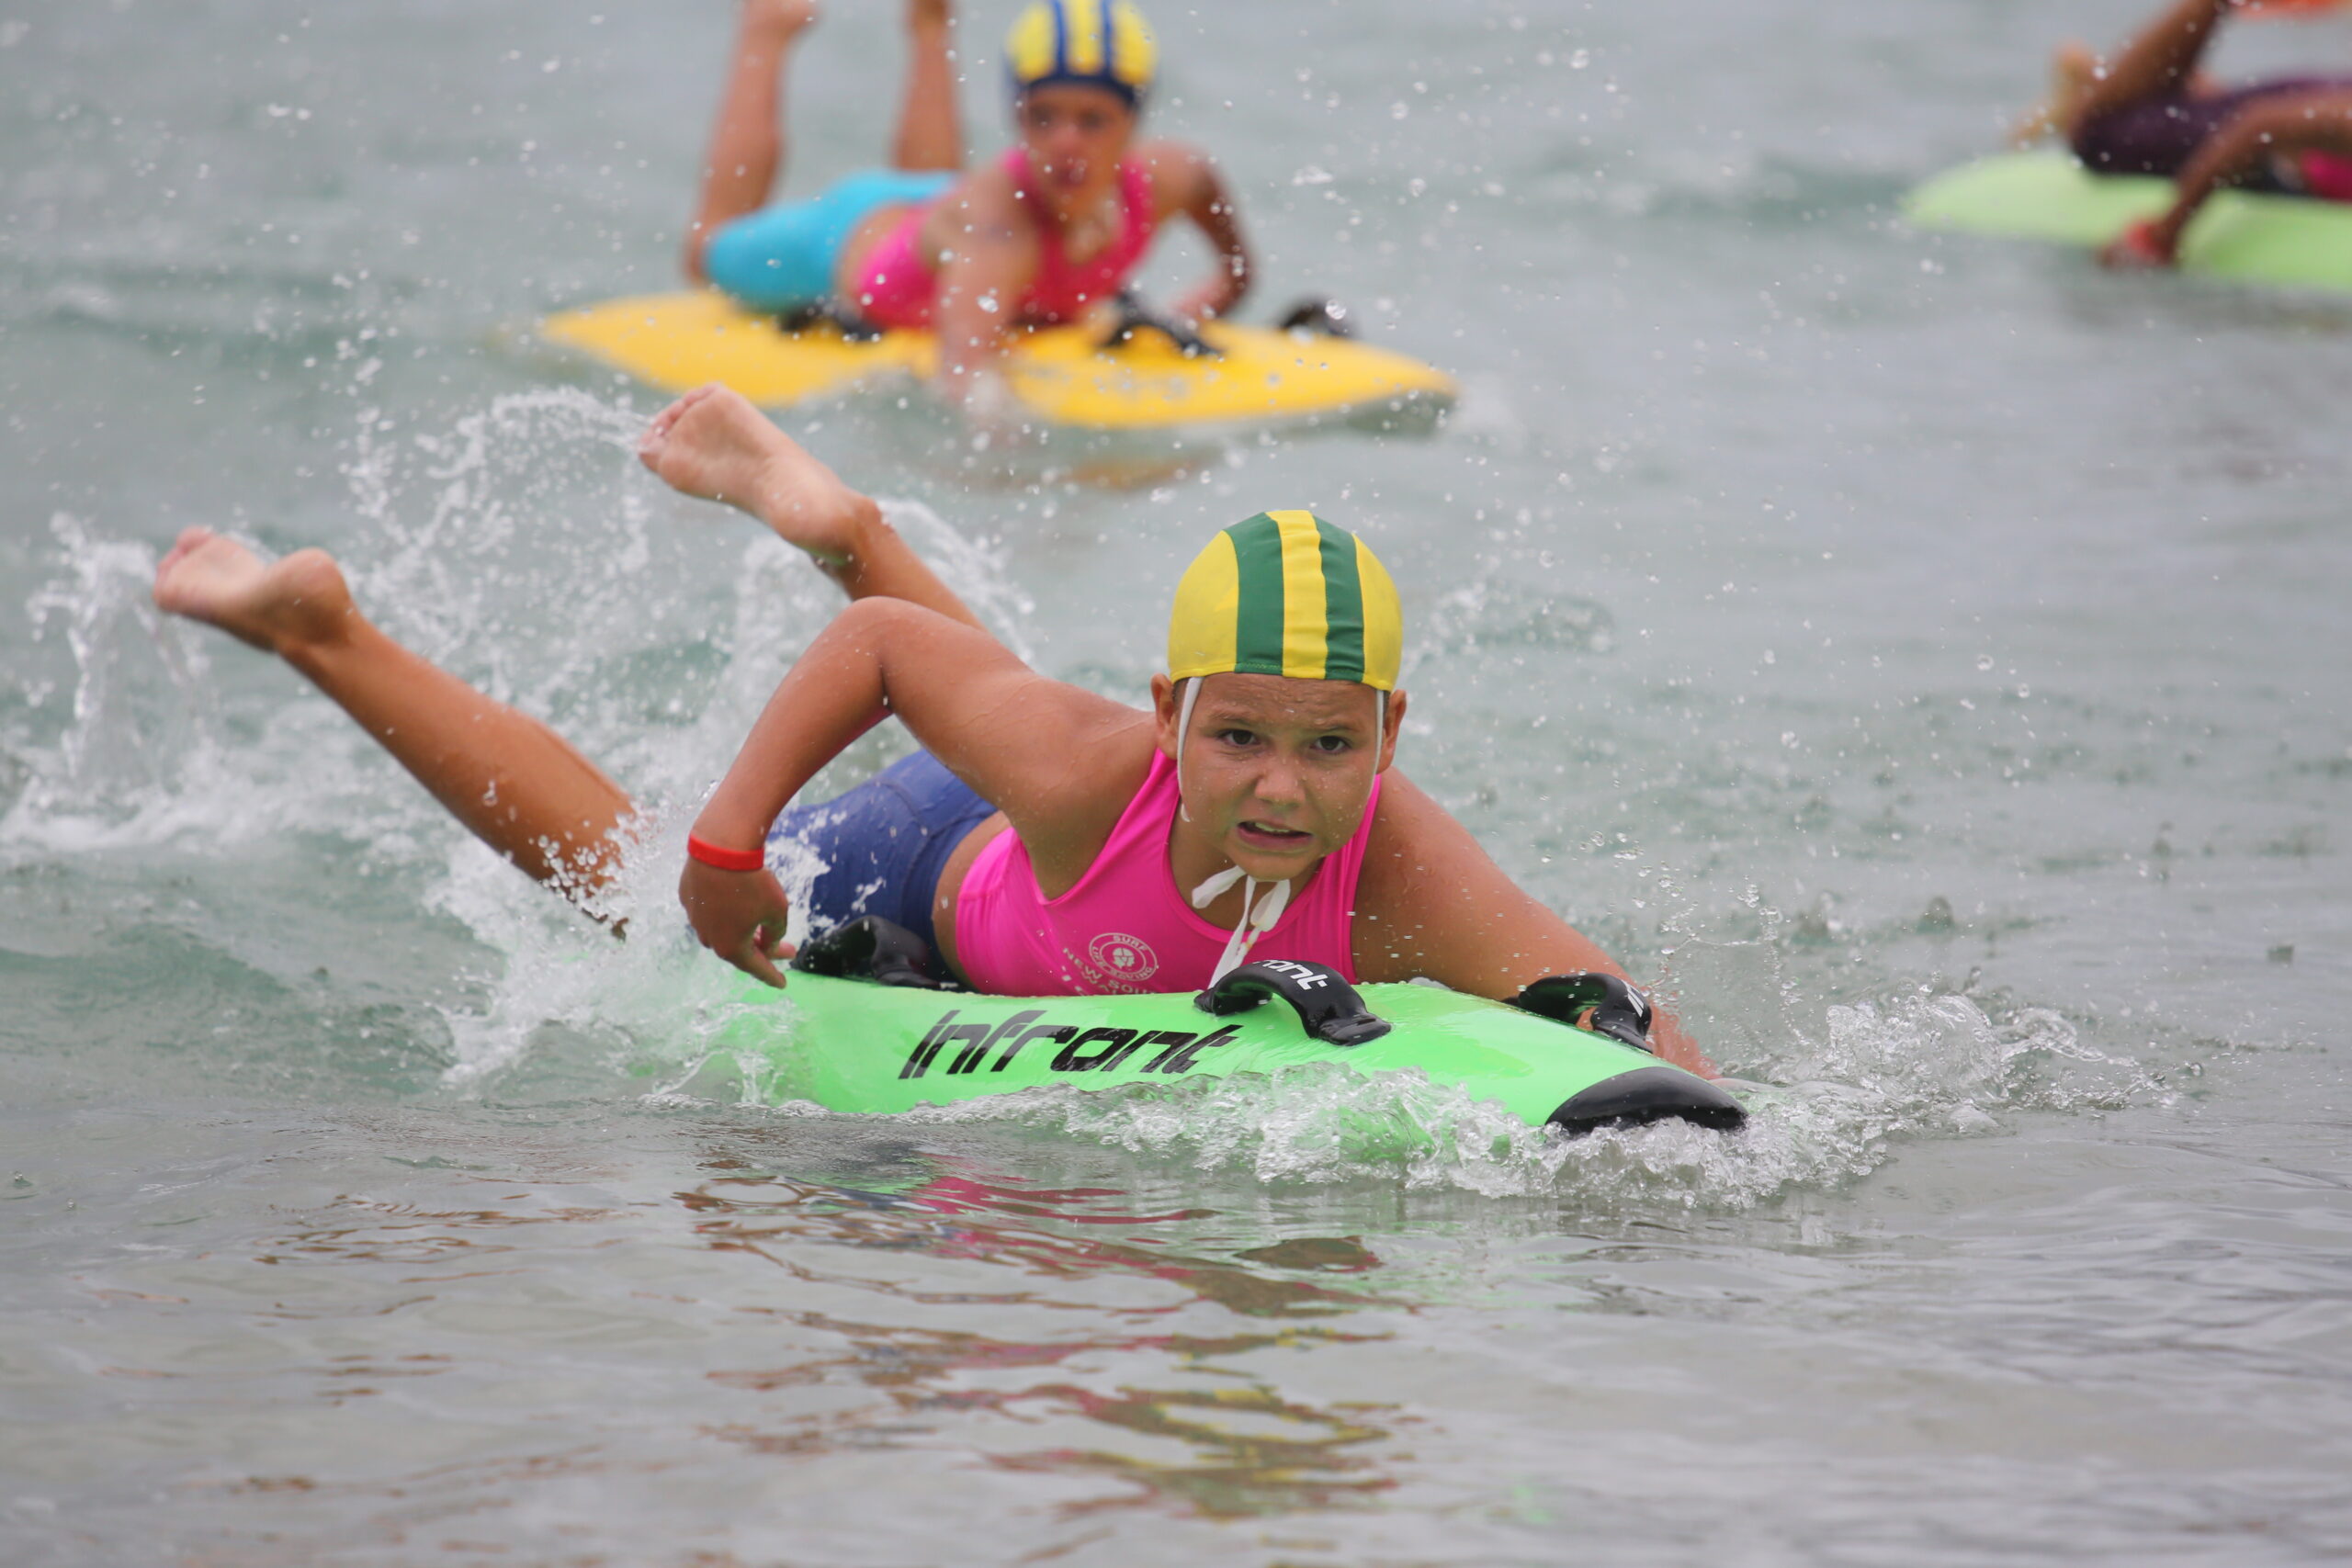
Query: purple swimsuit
[2158,136]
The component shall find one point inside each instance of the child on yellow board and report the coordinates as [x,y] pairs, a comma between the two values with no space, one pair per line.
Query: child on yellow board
[1039,236]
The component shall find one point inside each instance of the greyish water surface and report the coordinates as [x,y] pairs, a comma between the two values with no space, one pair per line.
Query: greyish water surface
[1925,658]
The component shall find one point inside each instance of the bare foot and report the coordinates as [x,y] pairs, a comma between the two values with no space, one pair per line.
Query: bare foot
[713,444]
[2141,247]
[274,606]
[779,18]
[925,16]
[2074,72]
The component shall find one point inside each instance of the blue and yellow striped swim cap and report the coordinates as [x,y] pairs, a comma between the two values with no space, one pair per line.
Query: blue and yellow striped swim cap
[1095,43]
[1288,594]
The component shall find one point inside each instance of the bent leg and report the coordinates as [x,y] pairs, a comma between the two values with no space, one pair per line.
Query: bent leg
[747,144]
[514,781]
[712,443]
[2243,145]
[930,129]
[2160,63]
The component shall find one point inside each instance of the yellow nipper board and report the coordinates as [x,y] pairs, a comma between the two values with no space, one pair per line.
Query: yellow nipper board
[678,341]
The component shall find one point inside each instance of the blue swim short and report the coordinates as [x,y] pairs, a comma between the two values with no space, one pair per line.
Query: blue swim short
[784,256]
[881,846]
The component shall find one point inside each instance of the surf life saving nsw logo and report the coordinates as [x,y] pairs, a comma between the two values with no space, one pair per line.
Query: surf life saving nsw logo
[1115,959]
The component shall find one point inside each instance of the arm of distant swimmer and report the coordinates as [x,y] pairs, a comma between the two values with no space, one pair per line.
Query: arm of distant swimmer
[1184,180]
[988,257]
[1433,903]
[1030,746]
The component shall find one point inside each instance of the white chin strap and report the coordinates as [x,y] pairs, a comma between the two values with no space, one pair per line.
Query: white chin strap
[1183,729]
[1257,917]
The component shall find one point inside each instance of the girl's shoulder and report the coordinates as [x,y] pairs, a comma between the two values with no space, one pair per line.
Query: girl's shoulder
[1398,819]
[1075,799]
[1417,855]
[1182,177]
[985,205]
[997,176]
[1170,160]
[1158,154]
[992,190]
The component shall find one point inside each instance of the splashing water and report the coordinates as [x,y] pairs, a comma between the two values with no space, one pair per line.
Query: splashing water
[522,546]
[618,634]
[1826,1105]
[1822,1111]
[132,750]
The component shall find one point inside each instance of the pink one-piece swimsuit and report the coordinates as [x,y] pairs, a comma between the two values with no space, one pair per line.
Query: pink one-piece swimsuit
[895,290]
[1126,927]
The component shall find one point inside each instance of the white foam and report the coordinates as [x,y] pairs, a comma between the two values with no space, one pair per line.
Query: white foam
[521,546]
[1826,1107]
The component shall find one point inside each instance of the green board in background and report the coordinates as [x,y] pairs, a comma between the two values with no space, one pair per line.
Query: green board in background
[2292,241]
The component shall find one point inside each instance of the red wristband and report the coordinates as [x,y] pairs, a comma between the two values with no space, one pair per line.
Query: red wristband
[710,854]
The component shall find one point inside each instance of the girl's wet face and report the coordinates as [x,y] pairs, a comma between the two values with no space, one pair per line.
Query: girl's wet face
[1275,771]
[1076,136]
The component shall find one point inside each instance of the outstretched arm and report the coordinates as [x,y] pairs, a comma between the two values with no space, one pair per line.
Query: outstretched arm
[1184,180]
[988,256]
[1039,751]
[1433,903]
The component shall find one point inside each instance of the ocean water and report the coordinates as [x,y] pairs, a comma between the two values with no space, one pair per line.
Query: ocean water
[1923,658]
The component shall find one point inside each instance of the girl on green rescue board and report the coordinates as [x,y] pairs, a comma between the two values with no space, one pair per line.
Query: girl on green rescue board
[1046,840]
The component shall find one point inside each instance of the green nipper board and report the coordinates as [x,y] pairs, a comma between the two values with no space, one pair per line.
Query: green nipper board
[853,1046]
[2290,241]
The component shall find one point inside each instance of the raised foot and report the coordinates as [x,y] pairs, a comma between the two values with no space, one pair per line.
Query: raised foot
[781,18]
[274,606]
[2074,72]
[2074,76]
[923,15]
[714,445]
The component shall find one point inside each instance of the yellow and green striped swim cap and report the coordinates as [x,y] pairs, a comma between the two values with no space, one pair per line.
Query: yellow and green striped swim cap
[1288,594]
[1096,43]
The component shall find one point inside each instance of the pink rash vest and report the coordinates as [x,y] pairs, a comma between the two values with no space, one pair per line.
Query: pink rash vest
[895,290]
[1126,927]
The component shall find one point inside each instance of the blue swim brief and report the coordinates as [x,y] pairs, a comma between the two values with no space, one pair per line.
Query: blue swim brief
[882,846]
[784,256]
